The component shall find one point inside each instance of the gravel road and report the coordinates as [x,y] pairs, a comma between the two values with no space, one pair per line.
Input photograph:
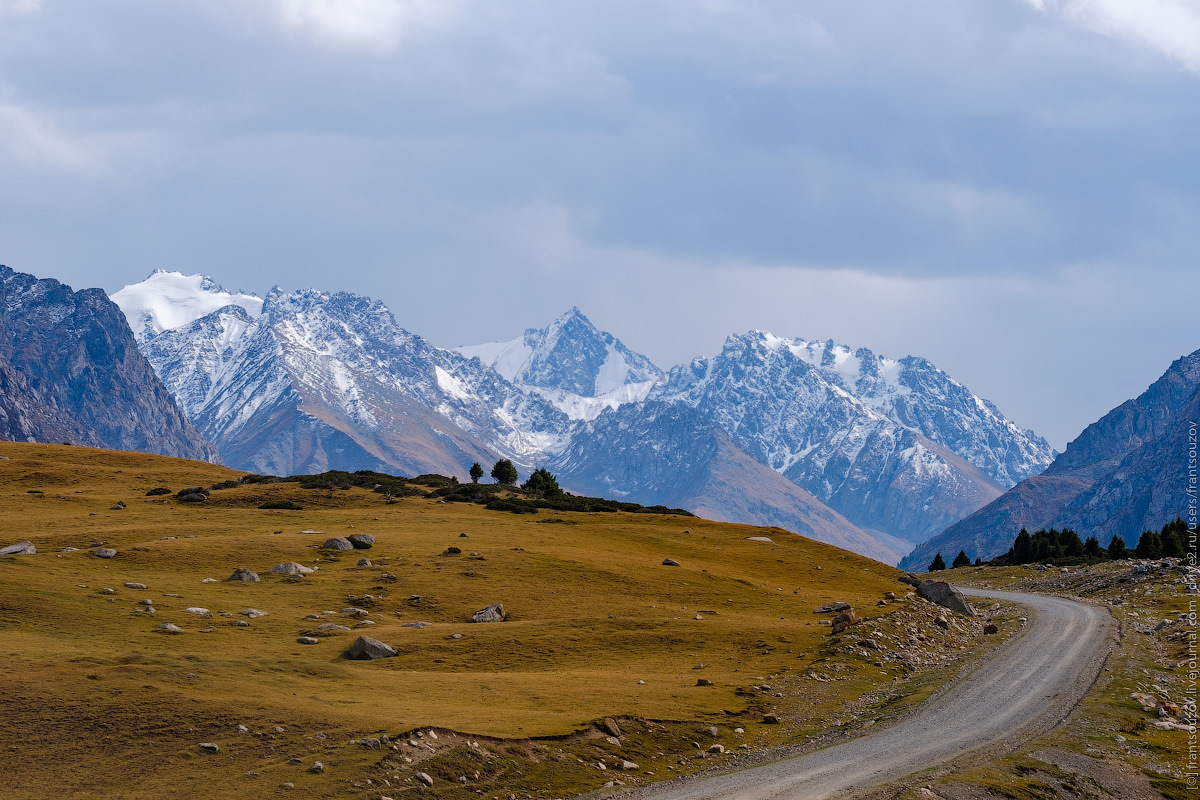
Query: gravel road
[1025,688]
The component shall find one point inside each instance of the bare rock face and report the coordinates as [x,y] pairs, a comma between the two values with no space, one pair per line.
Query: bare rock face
[493,613]
[70,370]
[946,596]
[367,649]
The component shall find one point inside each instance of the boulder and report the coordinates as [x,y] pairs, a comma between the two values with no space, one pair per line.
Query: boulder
[610,725]
[670,562]
[946,596]
[493,613]
[198,611]
[290,568]
[252,613]
[19,549]
[361,541]
[104,552]
[244,575]
[133,585]
[424,778]
[629,766]
[365,562]
[832,607]
[367,649]
[209,747]
[308,640]
[843,620]
[167,627]
[194,497]
[991,628]
[337,543]
[770,719]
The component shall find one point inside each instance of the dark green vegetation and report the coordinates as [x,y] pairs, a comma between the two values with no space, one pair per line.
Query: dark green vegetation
[1065,548]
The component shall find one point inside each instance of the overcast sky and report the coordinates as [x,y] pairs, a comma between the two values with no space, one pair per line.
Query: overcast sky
[1008,188]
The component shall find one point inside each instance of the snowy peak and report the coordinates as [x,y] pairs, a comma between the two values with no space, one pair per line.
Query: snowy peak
[169,300]
[579,368]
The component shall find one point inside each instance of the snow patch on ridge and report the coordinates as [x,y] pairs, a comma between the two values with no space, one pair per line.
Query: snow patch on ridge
[169,300]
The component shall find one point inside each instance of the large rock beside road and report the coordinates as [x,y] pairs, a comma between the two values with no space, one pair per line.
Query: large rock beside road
[367,649]
[945,596]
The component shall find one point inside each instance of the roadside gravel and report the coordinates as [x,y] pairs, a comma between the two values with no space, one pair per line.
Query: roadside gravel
[1025,688]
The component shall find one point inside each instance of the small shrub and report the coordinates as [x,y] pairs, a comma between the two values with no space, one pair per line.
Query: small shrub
[512,504]
[281,505]
[158,491]
[226,485]
[452,551]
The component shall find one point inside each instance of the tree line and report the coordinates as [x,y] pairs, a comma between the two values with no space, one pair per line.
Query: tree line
[1065,547]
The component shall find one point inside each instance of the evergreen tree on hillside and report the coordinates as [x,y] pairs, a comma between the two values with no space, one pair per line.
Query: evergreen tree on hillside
[1022,549]
[961,560]
[1092,548]
[542,483]
[938,563]
[1149,545]
[504,472]
[1072,545]
[1173,536]
[476,472]
[1117,548]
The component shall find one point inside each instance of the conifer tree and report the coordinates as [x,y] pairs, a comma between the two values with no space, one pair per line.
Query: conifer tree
[504,472]
[938,563]
[1117,548]
[476,472]
[961,560]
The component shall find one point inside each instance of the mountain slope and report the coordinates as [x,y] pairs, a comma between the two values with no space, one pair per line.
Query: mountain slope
[895,446]
[1121,476]
[71,371]
[655,453]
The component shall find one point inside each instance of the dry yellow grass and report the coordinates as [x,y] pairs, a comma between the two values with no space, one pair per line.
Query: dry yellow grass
[96,701]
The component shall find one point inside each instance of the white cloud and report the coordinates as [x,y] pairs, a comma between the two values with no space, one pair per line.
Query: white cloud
[376,24]
[1170,27]
[36,141]
[19,6]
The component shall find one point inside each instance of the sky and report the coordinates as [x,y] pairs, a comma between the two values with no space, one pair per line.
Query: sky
[1010,189]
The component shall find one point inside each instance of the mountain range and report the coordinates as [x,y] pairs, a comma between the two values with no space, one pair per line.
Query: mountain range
[869,453]
[1127,472]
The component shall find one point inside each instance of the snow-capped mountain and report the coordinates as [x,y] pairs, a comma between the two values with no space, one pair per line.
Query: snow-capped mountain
[320,381]
[579,368]
[896,446]
[168,300]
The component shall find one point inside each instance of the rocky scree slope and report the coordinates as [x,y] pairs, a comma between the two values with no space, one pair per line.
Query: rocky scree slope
[70,371]
[1121,476]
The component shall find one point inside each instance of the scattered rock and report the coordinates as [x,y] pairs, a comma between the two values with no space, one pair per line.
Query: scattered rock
[610,725]
[337,543]
[168,627]
[869,643]
[327,628]
[132,585]
[371,743]
[241,623]
[770,719]
[416,625]
[252,613]
[704,682]
[361,541]
[367,649]
[104,552]
[493,613]
[842,621]
[19,549]
[716,749]
[291,568]
[308,640]
[209,747]
[766,539]
[244,575]
[991,627]
[317,768]
[424,778]
[365,562]
[942,623]
[198,611]
[832,607]
[946,596]
[117,506]
[670,562]
[629,766]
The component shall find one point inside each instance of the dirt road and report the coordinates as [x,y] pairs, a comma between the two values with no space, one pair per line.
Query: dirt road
[1026,687]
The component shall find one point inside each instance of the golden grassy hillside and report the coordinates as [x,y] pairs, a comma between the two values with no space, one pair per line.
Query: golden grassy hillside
[97,702]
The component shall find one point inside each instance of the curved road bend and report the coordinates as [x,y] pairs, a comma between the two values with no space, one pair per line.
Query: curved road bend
[1026,687]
